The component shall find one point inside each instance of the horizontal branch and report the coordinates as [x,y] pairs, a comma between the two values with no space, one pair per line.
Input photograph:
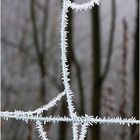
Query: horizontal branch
[80,120]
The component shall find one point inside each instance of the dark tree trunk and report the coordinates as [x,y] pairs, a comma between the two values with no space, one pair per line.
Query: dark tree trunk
[135,130]
[42,78]
[136,67]
[96,70]
[98,77]
[63,126]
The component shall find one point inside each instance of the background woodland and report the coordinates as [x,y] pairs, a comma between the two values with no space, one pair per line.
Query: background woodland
[103,57]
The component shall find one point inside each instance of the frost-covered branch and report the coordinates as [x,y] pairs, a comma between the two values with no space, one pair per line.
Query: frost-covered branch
[51,104]
[65,71]
[83,121]
[83,6]
[80,120]
[40,110]
[42,133]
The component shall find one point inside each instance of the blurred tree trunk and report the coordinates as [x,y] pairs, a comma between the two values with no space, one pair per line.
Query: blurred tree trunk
[124,81]
[98,77]
[40,45]
[30,128]
[62,135]
[37,50]
[96,49]
[135,130]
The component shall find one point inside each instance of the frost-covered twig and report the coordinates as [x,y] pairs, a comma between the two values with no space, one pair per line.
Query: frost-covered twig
[42,133]
[83,6]
[51,104]
[65,71]
[40,110]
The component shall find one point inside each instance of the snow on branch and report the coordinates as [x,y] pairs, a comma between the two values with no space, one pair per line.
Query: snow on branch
[83,121]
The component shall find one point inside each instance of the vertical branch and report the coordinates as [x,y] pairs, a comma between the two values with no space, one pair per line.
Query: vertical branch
[72,60]
[63,126]
[63,129]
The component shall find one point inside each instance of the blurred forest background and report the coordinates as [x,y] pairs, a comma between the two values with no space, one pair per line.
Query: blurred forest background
[103,56]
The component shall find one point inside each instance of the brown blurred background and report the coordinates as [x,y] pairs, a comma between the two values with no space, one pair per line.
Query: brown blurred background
[103,57]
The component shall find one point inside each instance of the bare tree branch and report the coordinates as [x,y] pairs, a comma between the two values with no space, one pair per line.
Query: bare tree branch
[35,30]
[14,45]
